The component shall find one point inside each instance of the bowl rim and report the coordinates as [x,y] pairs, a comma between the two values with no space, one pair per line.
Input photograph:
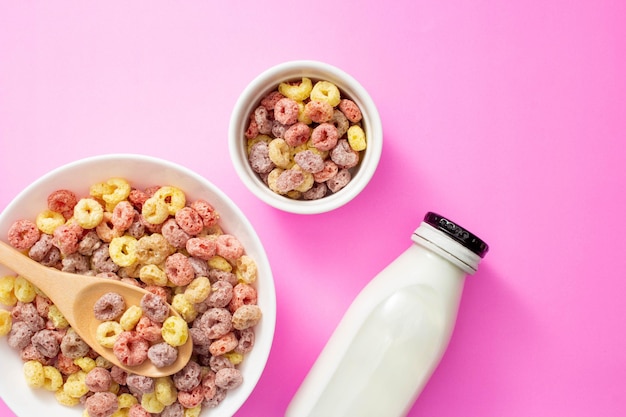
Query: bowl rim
[8,215]
[268,80]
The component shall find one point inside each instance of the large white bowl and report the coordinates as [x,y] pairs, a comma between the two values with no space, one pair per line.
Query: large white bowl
[141,171]
[294,71]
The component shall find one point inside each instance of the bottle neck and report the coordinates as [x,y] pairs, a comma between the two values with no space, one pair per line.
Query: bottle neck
[438,242]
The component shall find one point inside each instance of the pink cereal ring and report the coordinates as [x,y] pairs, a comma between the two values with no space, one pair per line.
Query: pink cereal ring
[224,344]
[270,100]
[174,234]
[191,399]
[325,137]
[243,294]
[130,348]
[350,110]
[189,220]
[149,329]
[286,111]
[105,230]
[319,111]
[201,247]
[178,269]
[297,134]
[62,201]
[289,180]
[123,215]
[229,247]
[137,198]
[136,410]
[23,234]
[309,161]
[206,211]
[253,129]
[330,170]
[66,239]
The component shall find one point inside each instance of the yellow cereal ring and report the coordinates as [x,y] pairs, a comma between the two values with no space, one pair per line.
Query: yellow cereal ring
[114,388]
[53,380]
[198,290]
[220,263]
[47,221]
[33,374]
[153,275]
[272,178]
[326,91]
[256,139]
[64,399]
[126,400]
[99,189]
[280,154]
[103,362]
[88,213]
[234,357]
[7,295]
[119,189]
[192,412]
[302,115]
[356,138]
[184,307]
[75,385]
[123,250]
[246,269]
[5,322]
[85,363]
[155,210]
[131,317]
[165,390]
[173,197]
[175,331]
[57,318]
[296,91]
[24,291]
[107,332]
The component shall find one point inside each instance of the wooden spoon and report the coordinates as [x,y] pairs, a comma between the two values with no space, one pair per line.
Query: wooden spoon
[75,296]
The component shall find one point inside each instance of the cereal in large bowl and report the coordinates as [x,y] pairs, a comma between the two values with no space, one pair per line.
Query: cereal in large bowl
[221,284]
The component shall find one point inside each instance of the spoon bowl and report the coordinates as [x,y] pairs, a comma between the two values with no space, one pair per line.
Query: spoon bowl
[75,296]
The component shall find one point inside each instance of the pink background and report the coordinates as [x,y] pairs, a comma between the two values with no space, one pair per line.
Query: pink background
[508,117]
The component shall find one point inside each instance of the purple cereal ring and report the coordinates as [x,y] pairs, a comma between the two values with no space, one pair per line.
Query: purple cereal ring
[188,378]
[229,247]
[139,384]
[351,110]
[75,263]
[325,137]
[173,410]
[319,190]
[270,100]
[123,215]
[341,122]
[62,201]
[189,220]
[297,134]
[40,249]
[216,322]
[202,247]
[89,243]
[101,404]
[343,155]
[339,181]
[162,354]
[200,266]
[319,111]
[279,129]
[228,378]
[263,120]
[286,111]
[30,353]
[154,307]
[246,340]
[23,234]
[101,260]
[309,161]
[109,306]
[219,362]
[130,348]
[27,313]
[178,269]
[118,375]
[174,234]
[259,158]
[46,343]
[221,294]
[98,379]
[72,346]
[216,399]
[200,341]
[19,336]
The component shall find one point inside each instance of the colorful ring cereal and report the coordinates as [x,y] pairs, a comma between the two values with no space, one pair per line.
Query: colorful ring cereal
[23,234]
[173,197]
[130,348]
[175,331]
[326,91]
[296,91]
[88,213]
[107,332]
[62,202]
[123,250]
[47,221]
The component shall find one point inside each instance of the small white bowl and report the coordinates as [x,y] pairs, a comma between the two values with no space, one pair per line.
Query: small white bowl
[141,171]
[295,71]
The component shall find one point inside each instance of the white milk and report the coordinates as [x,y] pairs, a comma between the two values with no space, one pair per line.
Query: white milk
[394,334]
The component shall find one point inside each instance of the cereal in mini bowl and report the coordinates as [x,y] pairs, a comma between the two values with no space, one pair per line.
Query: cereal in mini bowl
[189,245]
[305,137]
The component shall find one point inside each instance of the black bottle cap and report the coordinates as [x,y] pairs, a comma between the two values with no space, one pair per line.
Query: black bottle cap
[458,233]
